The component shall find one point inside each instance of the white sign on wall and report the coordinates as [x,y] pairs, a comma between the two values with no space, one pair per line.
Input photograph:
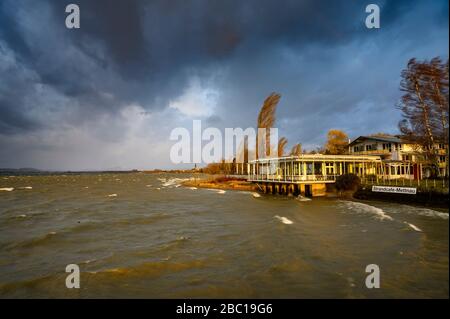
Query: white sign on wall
[394,189]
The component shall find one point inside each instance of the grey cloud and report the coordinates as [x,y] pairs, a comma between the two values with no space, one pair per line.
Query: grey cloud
[145,52]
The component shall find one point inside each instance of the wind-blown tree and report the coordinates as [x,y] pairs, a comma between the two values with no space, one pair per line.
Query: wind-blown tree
[296,150]
[266,120]
[424,106]
[436,73]
[282,142]
[436,93]
[337,142]
[242,156]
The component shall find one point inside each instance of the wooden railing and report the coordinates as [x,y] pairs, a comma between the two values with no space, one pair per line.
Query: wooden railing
[292,178]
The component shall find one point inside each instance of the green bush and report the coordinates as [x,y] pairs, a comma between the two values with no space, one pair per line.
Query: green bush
[347,182]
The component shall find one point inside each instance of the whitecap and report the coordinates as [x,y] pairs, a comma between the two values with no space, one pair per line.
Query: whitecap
[303,198]
[7,189]
[256,195]
[413,227]
[112,195]
[173,182]
[284,220]
[365,208]
[218,191]
[425,212]
[193,188]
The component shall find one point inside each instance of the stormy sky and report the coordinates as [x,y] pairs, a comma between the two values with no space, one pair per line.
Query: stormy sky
[107,95]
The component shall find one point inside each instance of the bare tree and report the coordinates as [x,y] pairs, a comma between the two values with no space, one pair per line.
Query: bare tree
[436,90]
[424,106]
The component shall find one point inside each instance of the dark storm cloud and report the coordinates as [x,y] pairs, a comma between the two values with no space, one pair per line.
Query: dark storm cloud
[147,52]
[138,50]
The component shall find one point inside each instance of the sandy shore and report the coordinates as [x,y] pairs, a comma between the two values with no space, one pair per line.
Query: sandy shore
[222,183]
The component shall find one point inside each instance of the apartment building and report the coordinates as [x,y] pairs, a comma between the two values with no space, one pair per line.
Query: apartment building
[401,158]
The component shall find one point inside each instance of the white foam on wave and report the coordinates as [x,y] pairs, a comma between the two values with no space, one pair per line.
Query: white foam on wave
[256,195]
[26,187]
[284,220]
[193,188]
[413,227]
[217,191]
[173,182]
[365,208]
[425,212]
[7,189]
[112,195]
[303,199]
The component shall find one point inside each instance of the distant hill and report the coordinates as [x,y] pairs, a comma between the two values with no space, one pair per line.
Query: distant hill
[24,169]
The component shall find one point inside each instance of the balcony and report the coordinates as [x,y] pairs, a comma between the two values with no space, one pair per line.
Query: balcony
[373,152]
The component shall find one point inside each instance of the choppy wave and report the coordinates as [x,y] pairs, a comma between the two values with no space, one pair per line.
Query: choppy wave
[358,207]
[143,220]
[37,241]
[7,189]
[172,182]
[11,287]
[413,227]
[423,212]
[284,220]
[303,198]
[218,191]
[150,269]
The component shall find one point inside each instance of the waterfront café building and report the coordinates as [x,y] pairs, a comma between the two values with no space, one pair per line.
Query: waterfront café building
[308,174]
[375,158]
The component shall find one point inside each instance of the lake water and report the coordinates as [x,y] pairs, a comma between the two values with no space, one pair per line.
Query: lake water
[145,236]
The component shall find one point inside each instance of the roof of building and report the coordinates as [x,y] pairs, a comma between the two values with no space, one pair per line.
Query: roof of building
[384,138]
[318,157]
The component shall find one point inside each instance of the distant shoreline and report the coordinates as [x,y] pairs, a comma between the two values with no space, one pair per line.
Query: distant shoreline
[22,172]
[32,171]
